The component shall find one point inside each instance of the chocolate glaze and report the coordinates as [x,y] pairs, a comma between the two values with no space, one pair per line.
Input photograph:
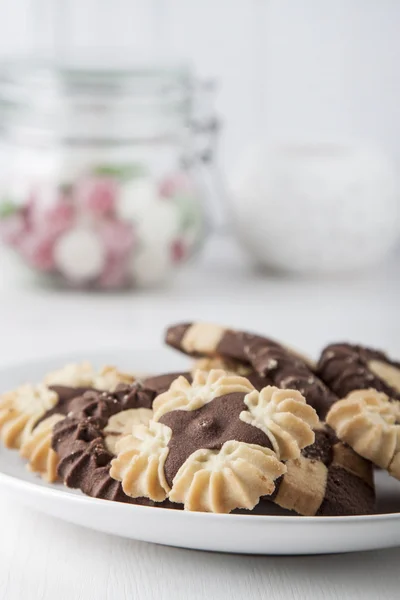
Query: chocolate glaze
[234,344]
[79,442]
[345,367]
[273,364]
[322,448]
[258,381]
[175,334]
[85,460]
[72,399]
[65,395]
[208,427]
[345,494]
[134,395]
[287,371]
[161,383]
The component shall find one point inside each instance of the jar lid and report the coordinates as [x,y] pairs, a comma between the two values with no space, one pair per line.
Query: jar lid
[78,100]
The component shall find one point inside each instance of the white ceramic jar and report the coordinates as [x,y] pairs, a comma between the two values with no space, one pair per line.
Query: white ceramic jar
[319,208]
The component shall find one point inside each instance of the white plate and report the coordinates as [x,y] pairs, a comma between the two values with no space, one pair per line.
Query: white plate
[224,533]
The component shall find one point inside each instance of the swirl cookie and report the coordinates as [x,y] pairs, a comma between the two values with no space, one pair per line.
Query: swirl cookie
[348,367]
[21,409]
[86,439]
[286,370]
[270,362]
[34,420]
[210,340]
[214,445]
[369,422]
[36,446]
[328,479]
[232,367]
[368,415]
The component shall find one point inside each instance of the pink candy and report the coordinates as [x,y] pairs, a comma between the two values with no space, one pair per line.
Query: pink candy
[91,205]
[38,251]
[117,236]
[98,196]
[59,218]
[12,229]
[178,251]
[174,184]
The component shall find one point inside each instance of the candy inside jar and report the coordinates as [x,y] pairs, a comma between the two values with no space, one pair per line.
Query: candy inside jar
[105,231]
[101,190]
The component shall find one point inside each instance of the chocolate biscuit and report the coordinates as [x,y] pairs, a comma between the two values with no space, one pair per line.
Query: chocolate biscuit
[215,445]
[328,479]
[272,363]
[349,367]
[288,371]
[80,441]
[367,416]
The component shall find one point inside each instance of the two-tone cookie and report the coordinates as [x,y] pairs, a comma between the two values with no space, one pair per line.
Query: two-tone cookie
[210,340]
[232,367]
[349,367]
[214,445]
[270,363]
[85,441]
[22,408]
[29,413]
[328,479]
[36,447]
[367,417]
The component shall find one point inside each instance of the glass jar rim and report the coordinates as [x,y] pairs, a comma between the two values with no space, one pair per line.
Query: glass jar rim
[44,97]
[20,77]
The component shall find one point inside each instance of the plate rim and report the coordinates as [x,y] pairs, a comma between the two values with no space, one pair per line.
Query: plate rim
[81,498]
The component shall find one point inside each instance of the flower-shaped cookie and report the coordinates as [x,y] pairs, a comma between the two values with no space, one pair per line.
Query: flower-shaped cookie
[20,409]
[83,375]
[231,367]
[211,445]
[122,423]
[85,440]
[369,422]
[236,476]
[28,415]
[205,387]
[285,418]
[73,375]
[140,462]
[37,449]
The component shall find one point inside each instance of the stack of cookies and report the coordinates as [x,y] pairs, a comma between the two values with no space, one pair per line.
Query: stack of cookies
[254,427]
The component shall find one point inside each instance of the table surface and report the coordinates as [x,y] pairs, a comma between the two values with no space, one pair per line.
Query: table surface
[42,558]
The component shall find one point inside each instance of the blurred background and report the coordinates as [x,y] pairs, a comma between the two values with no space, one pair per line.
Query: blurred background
[177,154]
[286,69]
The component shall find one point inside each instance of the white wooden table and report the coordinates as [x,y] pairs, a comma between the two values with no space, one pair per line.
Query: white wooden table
[41,558]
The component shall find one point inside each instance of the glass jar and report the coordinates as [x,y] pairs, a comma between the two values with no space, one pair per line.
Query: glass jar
[100,176]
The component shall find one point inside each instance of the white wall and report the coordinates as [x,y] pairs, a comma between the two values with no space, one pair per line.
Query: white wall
[287,68]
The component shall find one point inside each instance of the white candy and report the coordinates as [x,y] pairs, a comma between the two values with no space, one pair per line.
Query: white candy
[79,255]
[156,219]
[135,198]
[151,266]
